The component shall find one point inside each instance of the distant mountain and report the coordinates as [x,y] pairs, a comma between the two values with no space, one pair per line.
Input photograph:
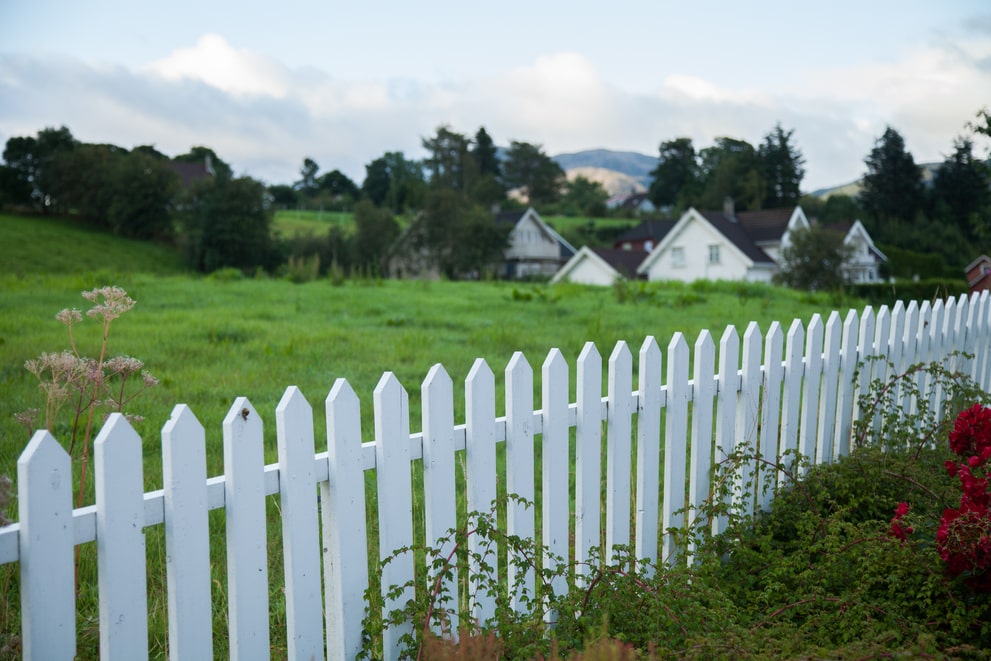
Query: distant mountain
[614,182]
[633,164]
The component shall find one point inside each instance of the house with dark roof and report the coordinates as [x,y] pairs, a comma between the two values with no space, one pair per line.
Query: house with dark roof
[535,249]
[645,236]
[191,172]
[600,266]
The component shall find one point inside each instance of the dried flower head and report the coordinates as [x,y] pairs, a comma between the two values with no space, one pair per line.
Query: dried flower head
[69,317]
[114,303]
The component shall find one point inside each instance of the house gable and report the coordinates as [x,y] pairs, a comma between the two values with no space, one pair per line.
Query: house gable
[705,246]
[535,249]
[979,274]
[865,256]
[587,267]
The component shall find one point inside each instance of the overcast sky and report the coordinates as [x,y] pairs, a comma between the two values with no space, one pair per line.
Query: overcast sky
[267,84]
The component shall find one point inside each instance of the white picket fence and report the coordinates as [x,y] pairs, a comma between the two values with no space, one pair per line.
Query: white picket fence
[798,385]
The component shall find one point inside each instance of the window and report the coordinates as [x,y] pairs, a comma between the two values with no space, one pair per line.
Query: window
[678,256]
[714,254]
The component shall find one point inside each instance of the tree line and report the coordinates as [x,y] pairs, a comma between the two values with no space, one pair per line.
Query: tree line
[448,197]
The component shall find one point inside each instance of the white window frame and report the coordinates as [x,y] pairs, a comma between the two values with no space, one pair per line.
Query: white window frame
[678,257]
[714,256]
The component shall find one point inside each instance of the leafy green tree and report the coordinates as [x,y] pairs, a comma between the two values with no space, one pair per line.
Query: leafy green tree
[834,209]
[393,180]
[457,237]
[447,161]
[307,184]
[814,260]
[149,150]
[339,185]
[485,185]
[33,162]
[781,167]
[225,222]
[283,196]
[730,169]
[962,189]
[893,184]
[540,177]
[485,154]
[144,190]
[375,232]
[676,177]
[378,181]
[209,158]
[83,179]
[584,197]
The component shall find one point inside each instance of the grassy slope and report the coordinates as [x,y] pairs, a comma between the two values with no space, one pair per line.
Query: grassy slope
[210,341]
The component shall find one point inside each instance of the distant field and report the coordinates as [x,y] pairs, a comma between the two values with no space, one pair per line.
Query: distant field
[292,222]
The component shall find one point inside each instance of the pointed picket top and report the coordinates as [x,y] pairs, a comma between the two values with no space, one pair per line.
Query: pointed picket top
[588,462]
[589,352]
[814,323]
[436,379]
[621,352]
[182,424]
[480,371]
[48,597]
[341,395]
[555,363]
[293,403]
[242,419]
[517,363]
[389,388]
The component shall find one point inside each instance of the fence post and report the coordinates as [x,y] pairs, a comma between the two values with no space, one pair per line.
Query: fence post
[187,536]
[300,526]
[618,450]
[395,507]
[247,544]
[588,461]
[480,462]
[648,449]
[48,595]
[675,440]
[345,533]
[120,541]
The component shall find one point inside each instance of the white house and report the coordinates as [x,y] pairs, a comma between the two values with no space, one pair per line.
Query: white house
[535,249]
[600,266]
[865,258]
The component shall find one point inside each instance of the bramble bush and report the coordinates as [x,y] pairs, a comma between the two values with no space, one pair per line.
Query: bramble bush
[883,552]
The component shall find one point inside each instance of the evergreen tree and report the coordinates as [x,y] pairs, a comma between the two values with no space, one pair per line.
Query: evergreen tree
[447,160]
[540,177]
[730,169]
[893,183]
[781,169]
[962,189]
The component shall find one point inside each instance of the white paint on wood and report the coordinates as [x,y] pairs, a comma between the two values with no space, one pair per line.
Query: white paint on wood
[480,460]
[791,396]
[746,431]
[647,517]
[300,533]
[555,466]
[120,541]
[702,443]
[812,385]
[826,443]
[769,415]
[520,466]
[588,461]
[344,529]
[395,505]
[848,364]
[44,507]
[187,535]
[727,412]
[675,447]
[618,450]
[247,559]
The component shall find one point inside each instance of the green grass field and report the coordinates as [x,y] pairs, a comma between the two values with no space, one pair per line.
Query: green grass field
[210,340]
[291,222]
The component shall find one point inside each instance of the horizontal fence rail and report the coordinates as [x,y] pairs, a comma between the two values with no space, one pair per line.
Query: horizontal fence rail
[791,389]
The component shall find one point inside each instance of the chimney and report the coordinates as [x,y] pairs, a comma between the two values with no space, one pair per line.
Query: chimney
[728,208]
[208,164]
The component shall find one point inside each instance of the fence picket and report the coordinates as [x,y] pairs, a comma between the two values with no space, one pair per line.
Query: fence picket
[480,460]
[910,354]
[345,545]
[439,498]
[300,533]
[675,447]
[727,411]
[702,441]
[44,508]
[247,558]
[618,450]
[187,535]
[847,386]
[120,540]
[395,505]
[770,415]
[865,351]
[648,449]
[519,468]
[588,459]
[791,395]
[747,432]
[555,465]
[882,337]
[812,385]
[828,395]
